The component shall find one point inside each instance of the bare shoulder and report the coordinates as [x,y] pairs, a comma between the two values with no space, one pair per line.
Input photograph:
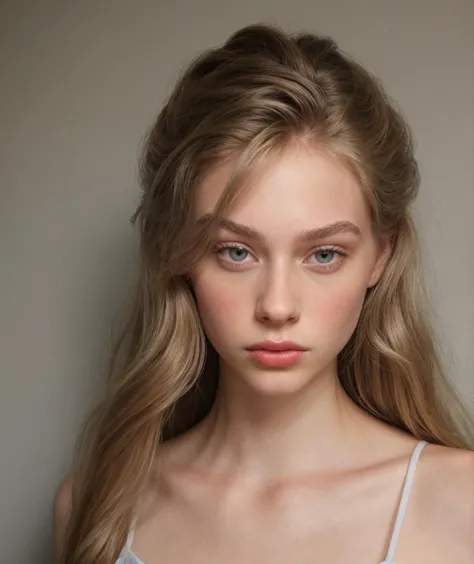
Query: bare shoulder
[62,510]
[446,495]
[452,467]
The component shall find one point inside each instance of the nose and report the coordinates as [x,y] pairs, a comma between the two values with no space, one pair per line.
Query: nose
[276,301]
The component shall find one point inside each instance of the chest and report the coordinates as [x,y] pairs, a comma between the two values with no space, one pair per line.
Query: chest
[343,525]
[303,530]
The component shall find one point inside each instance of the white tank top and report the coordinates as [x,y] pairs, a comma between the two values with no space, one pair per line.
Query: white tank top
[128,557]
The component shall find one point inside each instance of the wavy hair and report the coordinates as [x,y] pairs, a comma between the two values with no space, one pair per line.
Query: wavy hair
[250,97]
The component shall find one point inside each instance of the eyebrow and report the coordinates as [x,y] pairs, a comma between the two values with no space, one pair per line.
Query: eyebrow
[304,236]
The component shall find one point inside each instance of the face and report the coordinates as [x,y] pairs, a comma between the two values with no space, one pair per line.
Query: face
[274,274]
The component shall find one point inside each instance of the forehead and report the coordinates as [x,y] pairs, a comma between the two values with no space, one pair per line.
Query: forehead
[303,188]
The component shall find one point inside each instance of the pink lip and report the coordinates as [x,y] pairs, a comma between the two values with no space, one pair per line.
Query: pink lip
[278,354]
[277,346]
[279,359]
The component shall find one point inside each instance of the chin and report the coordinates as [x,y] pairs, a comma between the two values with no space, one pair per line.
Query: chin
[271,382]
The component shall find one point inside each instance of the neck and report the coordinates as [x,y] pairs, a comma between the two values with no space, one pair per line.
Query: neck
[317,428]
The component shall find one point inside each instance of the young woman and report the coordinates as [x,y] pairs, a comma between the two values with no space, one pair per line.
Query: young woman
[279,397]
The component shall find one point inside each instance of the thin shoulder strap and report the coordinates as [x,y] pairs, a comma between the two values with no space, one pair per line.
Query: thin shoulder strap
[404,501]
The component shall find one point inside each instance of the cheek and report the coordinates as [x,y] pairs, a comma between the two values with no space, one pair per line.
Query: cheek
[340,309]
[218,307]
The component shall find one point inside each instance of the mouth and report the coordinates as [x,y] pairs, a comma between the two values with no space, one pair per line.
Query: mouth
[277,346]
[277,354]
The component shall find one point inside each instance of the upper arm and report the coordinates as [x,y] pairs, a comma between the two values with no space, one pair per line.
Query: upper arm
[62,510]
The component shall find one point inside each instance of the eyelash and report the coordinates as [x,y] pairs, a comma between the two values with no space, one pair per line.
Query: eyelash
[338,250]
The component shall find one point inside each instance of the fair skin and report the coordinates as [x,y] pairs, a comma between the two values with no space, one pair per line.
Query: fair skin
[286,468]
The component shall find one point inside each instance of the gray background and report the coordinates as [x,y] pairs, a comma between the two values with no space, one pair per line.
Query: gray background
[81,81]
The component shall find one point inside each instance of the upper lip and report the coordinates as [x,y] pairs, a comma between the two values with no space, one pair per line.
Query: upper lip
[277,346]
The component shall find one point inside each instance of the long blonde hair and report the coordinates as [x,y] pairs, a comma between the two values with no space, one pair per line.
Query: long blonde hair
[250,97]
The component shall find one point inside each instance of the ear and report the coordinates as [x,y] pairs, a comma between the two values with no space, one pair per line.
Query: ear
[384,250]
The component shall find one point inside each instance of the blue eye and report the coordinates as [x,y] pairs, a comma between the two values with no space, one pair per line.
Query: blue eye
[239,253]
[236,253]
[328,258]
[326,255]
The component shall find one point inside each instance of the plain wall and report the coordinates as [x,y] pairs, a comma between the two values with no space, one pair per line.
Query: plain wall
[81,82]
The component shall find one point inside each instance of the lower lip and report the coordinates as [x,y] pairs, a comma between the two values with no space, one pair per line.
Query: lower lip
[276,358]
